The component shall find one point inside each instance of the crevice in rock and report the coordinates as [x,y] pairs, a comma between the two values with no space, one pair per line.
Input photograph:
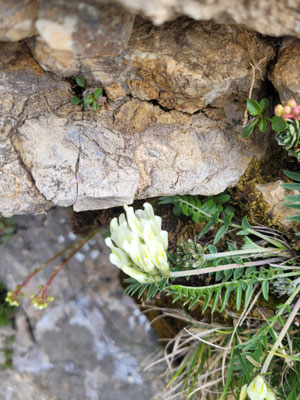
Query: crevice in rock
[30,328]
[26,169]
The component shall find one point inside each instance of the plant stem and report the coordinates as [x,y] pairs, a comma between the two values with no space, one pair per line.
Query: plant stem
[43,266]
[178,274]
[284,329]
[63,264]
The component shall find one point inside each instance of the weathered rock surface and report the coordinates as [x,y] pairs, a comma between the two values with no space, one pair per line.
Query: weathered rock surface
[17,19]
[274,195]
[286,77]
[171,124]
[268,17]
[90,342]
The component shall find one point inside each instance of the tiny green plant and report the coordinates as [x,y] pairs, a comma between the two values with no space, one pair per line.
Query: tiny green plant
[89,99]
[256,110]
[285,122]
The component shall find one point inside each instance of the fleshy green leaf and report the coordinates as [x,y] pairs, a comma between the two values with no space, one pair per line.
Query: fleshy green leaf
[80,81]
[98,93]
[263,104]
[249,128]
[95,106]
[89,99]
[262,126]
[75,101]
[278,124]
[253,107]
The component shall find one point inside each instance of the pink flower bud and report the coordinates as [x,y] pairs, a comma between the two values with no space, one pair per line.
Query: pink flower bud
[278,111]
[291,103]
[296,110]
[287,110]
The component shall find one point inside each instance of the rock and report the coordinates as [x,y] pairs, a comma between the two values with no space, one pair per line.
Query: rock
[70,32]
[17,19]
[268,17]
[26,91]
[285,76]
[274,195]
[186,65]
[171,125]
[90,342]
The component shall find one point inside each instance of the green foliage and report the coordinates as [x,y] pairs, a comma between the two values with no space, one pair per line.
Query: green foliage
[80,81]
[7,229]
[90,100]
[257,110]
[289,137]
[189,254]
[294,200]
[136,288]
[207,210]
[6,311]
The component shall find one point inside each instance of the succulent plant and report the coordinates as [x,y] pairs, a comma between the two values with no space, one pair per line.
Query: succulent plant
[289,138]
[283,286]
[190,254]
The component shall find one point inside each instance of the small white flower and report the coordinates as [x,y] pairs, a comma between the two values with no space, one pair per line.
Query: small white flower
[257,390]
[243,394]
[139,245]
[270,395]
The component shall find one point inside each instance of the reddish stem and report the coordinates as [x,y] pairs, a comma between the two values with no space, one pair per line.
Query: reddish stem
[44,289]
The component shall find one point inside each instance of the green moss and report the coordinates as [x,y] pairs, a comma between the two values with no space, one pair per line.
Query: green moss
[249,200]
[6,311]
[7,229]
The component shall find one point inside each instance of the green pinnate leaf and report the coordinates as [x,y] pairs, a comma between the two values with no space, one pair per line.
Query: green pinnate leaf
[245,223]
[80,81]
[95,106]
[98,93]
[265,289]
[253,107]
[292,175]
[221,232]
[76,100]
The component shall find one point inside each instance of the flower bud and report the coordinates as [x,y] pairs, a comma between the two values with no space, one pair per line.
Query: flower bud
[291,103]
[287,110]
[296,110]
[257,390]
[243,394]
[278,111]
[270,395]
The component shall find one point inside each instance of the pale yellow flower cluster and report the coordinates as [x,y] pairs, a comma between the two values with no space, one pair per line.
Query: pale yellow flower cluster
[257,390]
[139,245]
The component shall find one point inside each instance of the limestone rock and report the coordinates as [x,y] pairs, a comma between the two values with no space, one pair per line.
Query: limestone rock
[186,65]
[171,125]
[268,17]
[71,31]
[26,91]
[286,77]
[17,19]
[274,195]
[89,343]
